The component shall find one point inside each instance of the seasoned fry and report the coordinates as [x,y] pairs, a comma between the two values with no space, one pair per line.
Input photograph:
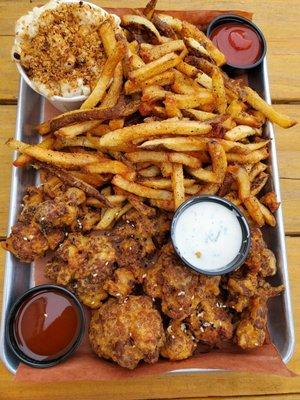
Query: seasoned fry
[150,8]
[258,183]
[198,115]
[259,104]
[243,181]
[150,172]
[240,132]
[190,30]
[77,129]
[119,110]
[109,216]
[177,143]
[138,24]
[66,160]
[155,67]
[165,78]
[187,69]
[112,96]
[108,38]
[219,91]
[173,22]
[107,73]
[161,157]
[141,190]
[253,207]
[164,183]
[270,200]
[25,159]
[172,109]
[196,48]
[178,185]
[250,158]
[117,123]
[166,169]
[204,80]
[268,216]
[192,100]
[155,52]
[150,129]
[110,166]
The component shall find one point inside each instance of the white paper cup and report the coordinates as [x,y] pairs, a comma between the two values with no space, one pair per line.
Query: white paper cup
[64,104]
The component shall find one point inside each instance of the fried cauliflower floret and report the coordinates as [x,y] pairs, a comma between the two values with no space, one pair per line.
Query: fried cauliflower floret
[26,242]
[121,283]
[174,283]
[241,286]
[127,331]
[251,329]
[260,259]
[210,323]
[83,263]
[180,343]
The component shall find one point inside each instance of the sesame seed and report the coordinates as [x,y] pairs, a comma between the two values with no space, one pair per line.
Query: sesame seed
[182,293]
[144,276]
[201,329]
[173,337]
[180,308]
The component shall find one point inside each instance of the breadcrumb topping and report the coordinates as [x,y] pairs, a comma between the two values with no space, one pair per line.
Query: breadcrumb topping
[62,54]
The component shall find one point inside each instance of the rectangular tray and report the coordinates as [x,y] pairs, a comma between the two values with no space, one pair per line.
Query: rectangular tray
[19,276]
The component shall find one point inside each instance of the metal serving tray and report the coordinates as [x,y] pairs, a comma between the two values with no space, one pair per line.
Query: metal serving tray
[19,276]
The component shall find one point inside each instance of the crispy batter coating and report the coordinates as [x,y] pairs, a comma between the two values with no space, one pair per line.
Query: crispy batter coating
[260,259]
[210,323]
[241,286]
[251,330]
[173,282]
[180,343]
[127,331]
[83,263]
[121,283]
[26,242]
[133,240]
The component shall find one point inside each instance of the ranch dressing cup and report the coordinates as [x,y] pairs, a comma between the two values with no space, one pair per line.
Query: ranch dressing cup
[61,103]
[210,235]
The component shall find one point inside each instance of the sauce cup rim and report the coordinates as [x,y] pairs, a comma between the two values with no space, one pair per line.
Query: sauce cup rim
[246,237]
[9,335]
[224,18]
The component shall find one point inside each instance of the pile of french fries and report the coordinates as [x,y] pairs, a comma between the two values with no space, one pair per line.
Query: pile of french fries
[163,123]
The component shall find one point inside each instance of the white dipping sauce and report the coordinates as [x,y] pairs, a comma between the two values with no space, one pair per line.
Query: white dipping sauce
[208,235]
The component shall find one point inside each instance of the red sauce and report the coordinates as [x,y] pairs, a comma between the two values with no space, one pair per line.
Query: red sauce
[240,43]
[46,325]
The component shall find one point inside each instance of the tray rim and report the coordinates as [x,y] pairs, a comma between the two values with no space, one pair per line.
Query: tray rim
[7,281]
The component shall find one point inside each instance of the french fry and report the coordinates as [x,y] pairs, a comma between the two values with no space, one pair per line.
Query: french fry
[150,8]
[66,160]
[240,132]
[161,157]
[196,48]
[155,67]
[77,129]
[110,166]
[193,190]
[150,129]
[270,200]
[112,96]
[259,104]
[243,118]
[137,22]
[150,172]
[268,216]
[187,69]
[192,100]
[166,169]
[165,78]
[177,144]
[253,207]
[209,188]
[108,38]
[204,80]
[251,158]
[108,218]
[173,22]
[178,185]
[190,30]
[219,91]
[106,75]
[172,109]
[77,141]
[117,123]
[100,130]
[155,52]
[198,114]
[153,93]
[137,202]
[258,183]
[167,205]
[119,110]
[243,181]
[92,179]
[218,159]
[165,183]
[25,159]
[203,174]
[141,190]
[235,108]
